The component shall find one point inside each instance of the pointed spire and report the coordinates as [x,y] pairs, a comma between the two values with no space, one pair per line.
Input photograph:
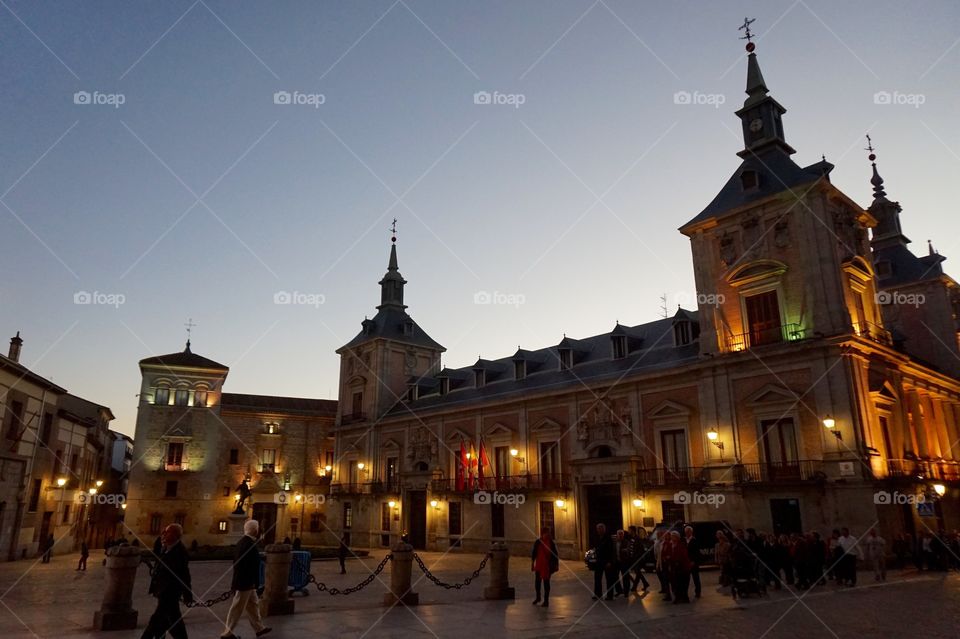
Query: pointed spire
[930,250]
[756,86]
[760,115]
[391,286]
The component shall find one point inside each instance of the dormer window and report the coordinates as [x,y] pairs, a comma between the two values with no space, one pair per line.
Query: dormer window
[408,328]
[444,385]
[682,333]
[749,180]
[566,358]
[519,369]
[367,326]
[480,377]
[619,346]
[883,269]
[413,392]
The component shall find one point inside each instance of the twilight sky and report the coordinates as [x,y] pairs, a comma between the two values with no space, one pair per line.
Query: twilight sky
[196,159]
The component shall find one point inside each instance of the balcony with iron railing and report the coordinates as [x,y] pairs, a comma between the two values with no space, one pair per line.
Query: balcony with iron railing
[353,418]
[779,472]
[872,332]
[768,335]
[919,470]
[670,477]
[175,466]
[506,483]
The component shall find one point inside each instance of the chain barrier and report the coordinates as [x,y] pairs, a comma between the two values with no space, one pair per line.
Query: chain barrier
[443,584]
[330,590]
[154,564]
[206,603]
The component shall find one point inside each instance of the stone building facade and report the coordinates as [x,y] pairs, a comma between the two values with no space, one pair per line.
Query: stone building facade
[815,385]
[195,445]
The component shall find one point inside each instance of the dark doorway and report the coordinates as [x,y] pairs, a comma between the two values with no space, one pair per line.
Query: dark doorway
[604,505]
[266,514]
[786,516]
[763,317]
[673,513]
[45,529]
[417,518]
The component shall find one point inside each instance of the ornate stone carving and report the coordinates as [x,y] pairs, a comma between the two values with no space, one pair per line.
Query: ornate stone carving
[728,249]
[423,447]
[781,234]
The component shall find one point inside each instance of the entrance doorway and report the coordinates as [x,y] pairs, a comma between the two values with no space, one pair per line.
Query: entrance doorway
[786,516]
[266,514]
[417,518]
[604,505]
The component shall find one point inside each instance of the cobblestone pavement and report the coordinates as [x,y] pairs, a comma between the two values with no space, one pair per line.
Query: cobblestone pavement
[53,600]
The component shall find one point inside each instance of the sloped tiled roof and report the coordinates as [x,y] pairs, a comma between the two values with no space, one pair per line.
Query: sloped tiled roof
[271,403]
[651,346]
[389,323]
[183,359]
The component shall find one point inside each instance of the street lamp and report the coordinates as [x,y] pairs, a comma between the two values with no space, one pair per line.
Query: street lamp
[561,504]
[940,489]
[831,425]
[637,502]
[61,482]
[714,438]
[514,452]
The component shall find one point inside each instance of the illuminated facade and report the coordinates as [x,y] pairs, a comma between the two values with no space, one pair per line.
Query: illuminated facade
[195,444]
[816,385]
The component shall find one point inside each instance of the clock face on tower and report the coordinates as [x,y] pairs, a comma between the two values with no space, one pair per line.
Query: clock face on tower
[756,125]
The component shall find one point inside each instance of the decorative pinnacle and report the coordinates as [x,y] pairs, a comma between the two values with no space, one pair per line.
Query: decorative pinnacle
[393,231]
[876,180]
[748,35]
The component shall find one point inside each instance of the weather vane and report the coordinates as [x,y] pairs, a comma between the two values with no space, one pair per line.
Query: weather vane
[393,230]
[189,326]
[748,35]
[870,148]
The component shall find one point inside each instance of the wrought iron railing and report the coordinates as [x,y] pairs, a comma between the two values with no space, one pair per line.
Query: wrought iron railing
[767,335]
[873,332]
[773,472]
[509,483]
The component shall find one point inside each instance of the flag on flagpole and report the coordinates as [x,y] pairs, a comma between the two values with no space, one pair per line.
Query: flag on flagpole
[483,461]
[472,473]
[461,466]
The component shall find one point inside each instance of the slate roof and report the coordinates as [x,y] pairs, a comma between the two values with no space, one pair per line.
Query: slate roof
[650,346]
[905,267]
[389,323]
[777,173]
[183,359]
[274,404]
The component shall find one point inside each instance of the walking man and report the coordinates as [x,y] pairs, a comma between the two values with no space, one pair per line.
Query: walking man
[169,582]
[693,551]
[246,578]
[605,566]
[638,555]
[48,549]
[877,555]
[849,553]
[342,554]
[84,553]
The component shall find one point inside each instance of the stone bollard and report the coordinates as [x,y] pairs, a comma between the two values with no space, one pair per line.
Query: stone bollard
[400,572]
[276,597]
[116,612]
[499,587]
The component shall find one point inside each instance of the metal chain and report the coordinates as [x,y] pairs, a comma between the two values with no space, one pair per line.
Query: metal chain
[209,602]
[330,590]
[456,586]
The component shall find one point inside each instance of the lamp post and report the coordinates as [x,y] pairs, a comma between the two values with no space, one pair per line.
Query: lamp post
[831,425]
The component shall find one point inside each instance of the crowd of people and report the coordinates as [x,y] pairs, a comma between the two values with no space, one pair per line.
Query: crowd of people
[756,559]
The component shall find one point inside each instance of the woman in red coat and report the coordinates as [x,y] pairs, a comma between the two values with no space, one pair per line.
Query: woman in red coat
[545,562]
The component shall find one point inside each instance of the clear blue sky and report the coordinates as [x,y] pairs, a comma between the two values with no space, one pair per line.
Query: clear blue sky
[492,197]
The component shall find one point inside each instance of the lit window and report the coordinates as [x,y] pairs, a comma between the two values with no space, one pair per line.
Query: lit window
[181,396]
[162,396]
[271,428]
[222,525]
[200,397]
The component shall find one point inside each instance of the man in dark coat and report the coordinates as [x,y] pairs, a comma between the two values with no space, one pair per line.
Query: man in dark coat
[169,582]
[693,552]
[606,565]
[246,578]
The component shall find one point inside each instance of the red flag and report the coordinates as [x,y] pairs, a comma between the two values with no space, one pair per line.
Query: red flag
[461,466]
[472,473]
[483,461]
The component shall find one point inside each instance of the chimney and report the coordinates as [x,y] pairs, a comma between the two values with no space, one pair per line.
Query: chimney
[15,343]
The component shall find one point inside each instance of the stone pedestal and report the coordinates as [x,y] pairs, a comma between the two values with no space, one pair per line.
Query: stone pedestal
[116,612]
[235,528]
[401,568]
[276,597]
[499,587]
